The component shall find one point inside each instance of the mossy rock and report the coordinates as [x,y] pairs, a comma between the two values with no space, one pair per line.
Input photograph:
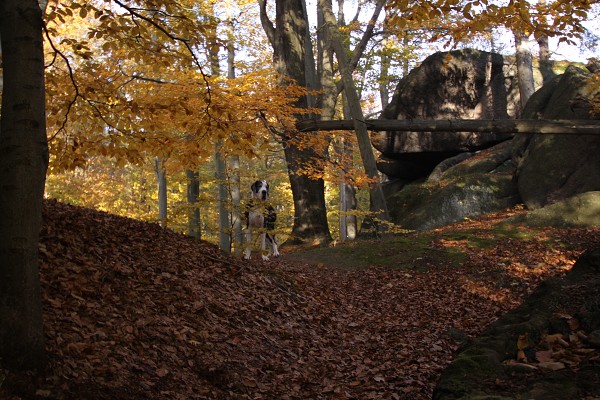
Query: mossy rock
[428,206]
[473,372]
[582,210]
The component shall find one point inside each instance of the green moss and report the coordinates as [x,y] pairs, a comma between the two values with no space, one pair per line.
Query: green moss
[402,251]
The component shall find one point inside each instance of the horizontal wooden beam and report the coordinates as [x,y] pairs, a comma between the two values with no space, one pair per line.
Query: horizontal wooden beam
[510,126]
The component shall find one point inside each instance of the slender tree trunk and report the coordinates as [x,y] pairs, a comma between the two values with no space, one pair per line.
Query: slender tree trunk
[23,165]
[220,165]
[544,59]
[350,201]
[234,160]
[288,37]
[544,56]
[378,205]
[236,211]
[524,67]
[384,77]
[405,63]
[348,221]
[161,181]
[222,199]
[193,192]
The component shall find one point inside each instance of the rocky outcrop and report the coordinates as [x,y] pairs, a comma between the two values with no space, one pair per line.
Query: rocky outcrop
[481,184]
[560,171]
[462,84]
[555,167]
[482,366]
[576,211]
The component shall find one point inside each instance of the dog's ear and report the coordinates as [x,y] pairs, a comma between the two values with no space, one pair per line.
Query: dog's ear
[253,187]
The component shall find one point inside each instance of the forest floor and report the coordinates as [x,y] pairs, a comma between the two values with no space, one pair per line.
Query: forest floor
[132,311]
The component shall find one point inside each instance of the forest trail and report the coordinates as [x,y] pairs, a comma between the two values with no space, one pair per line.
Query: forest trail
[134,311]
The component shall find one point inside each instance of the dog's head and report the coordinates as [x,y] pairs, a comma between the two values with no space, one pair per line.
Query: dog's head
[260,190]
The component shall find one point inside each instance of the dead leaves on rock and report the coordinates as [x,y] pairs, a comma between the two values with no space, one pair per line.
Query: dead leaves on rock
[555,351]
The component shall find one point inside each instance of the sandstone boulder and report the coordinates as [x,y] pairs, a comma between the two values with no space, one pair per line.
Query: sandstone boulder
[555,167]
[481,184]
[462,84]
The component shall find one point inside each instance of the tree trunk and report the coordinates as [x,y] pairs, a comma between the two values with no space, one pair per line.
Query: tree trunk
[524,67]
[193,192]
[348,222]
[234,160]
[220,166]
[378,205]
[544,56]
[384,78]
[23,165]
[222,200]
[544,59]
[289,39]
[161,181]
[236,211]
[350,201]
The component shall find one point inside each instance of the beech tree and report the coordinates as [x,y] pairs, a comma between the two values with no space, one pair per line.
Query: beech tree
[23,164]
[293,59]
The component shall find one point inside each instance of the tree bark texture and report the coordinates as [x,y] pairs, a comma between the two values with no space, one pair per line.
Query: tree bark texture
[23,165]
[193,192]
[288,37]
[223,200]
[544,54]
[161,181]
[234,160]
[524,68]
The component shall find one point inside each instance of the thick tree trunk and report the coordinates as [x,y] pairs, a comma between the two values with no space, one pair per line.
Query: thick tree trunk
[23,165]
[288,37]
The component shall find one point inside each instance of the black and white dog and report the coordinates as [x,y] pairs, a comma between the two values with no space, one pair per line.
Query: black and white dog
[260,217]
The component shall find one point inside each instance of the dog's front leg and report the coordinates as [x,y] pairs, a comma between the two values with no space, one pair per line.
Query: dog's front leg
[248,250]
[263,246]
[275,249]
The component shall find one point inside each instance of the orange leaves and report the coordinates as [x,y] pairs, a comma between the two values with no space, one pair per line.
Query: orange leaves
[131,89]
[560,18]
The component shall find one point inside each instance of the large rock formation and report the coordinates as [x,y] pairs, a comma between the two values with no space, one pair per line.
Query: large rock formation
[555,167]
[538,170]
[462,84]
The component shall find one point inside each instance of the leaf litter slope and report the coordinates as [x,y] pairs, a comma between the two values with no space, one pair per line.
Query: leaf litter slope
[134,311]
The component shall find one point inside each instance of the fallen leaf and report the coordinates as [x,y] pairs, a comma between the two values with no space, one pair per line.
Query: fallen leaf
[552,365]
